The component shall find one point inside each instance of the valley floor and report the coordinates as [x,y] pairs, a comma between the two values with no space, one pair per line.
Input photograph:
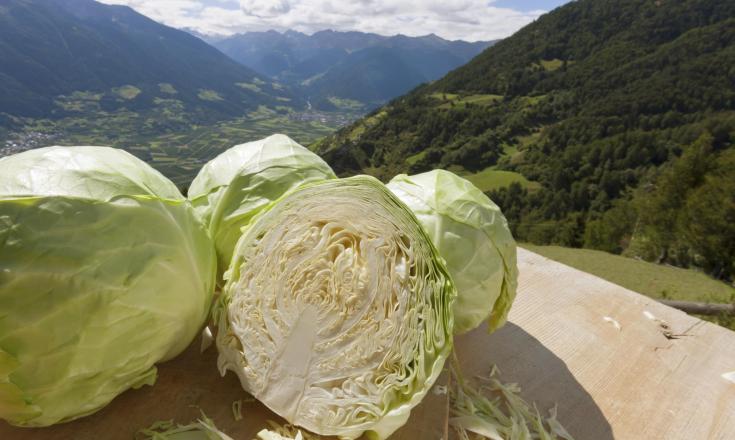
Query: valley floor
[175,147]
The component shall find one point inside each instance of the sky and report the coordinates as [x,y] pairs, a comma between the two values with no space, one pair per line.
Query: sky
[470,20]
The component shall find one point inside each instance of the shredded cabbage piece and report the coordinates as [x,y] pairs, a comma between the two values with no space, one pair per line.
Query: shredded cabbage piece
[270,435]
[285,432]
[496,411]
[203,429]
[237,410]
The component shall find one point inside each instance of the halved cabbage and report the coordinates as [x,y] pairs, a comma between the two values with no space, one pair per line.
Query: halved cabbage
[472,236]
[104,271]
[234,186]
[337,311]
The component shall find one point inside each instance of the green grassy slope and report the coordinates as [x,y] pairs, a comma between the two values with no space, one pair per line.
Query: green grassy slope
[490,179]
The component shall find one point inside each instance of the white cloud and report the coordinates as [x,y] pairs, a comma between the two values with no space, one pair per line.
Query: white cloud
[162,10]
[453,19]
[265,8]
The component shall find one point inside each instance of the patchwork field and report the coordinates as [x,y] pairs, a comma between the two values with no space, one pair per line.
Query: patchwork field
[490,179]
[172,141]
[450,100]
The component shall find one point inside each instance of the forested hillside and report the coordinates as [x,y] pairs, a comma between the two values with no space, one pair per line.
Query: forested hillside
[617,118]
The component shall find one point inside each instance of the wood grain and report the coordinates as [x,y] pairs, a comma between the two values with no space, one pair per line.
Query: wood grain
[632,383]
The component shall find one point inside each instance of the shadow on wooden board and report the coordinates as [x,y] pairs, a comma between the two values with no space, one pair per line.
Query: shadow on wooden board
[543,377]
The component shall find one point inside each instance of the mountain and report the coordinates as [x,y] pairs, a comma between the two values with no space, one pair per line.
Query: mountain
[356,66]
[371,75]
[118,58]
[208,38]
[604,124]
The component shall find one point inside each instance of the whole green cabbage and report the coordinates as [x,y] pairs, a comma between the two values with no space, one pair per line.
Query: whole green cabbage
[337,310]
[472,235]
[104,271]
[233,187]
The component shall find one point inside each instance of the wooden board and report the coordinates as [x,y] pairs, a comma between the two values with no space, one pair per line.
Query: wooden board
[632,383]
[191,383]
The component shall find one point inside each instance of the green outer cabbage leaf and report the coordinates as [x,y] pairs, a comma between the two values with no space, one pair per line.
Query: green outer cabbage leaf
[337,310]
[472,236]
[234,186]
[105,270]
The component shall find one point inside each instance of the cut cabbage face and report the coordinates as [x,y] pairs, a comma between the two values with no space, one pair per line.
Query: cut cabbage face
[337,311]
[104,271]
[472,235]
[236,185]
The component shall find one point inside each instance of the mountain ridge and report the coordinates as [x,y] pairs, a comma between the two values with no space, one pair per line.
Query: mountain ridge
[324,62]
[53,49]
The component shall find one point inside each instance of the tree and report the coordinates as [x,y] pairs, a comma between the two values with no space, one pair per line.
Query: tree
[707,222]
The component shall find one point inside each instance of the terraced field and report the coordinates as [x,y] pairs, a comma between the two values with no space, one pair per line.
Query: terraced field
[449,100]
[180,156]
[490,179]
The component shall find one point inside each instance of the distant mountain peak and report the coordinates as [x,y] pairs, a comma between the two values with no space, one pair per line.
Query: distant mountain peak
[349,65]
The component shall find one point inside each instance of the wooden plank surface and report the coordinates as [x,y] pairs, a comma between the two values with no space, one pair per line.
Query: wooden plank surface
[632,383]
[191,383]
